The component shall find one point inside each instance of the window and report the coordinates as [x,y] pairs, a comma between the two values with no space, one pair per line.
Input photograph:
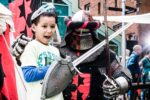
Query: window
[87,6]
[99,8]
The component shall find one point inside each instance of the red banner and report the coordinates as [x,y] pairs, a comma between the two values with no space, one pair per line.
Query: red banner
[9,89]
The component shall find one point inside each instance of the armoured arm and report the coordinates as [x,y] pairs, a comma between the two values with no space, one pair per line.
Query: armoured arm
[120,81]
[117,70]
[121,74]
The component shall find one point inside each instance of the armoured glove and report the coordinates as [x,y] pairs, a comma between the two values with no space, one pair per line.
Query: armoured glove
[113,87]
[18,46]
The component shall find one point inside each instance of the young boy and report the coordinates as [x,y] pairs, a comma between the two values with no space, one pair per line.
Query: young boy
[39,54]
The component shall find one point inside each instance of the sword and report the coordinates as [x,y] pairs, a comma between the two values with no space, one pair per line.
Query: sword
[108,69]
[97,47]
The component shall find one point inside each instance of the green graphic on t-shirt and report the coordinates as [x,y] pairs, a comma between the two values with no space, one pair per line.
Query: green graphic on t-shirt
[46,58]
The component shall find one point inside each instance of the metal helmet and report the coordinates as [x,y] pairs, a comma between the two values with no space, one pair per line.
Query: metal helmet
[81,15]
[48,7]
[81,30]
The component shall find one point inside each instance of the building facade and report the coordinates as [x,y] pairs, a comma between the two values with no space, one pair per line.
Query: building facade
[114,9]
[144,7]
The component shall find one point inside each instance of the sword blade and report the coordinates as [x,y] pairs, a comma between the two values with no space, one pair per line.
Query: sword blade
[98,46]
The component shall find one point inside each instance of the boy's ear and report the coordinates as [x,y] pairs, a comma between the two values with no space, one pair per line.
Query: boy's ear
[33,27]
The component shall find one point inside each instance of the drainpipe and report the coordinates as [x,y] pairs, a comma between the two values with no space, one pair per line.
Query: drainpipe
[123,37]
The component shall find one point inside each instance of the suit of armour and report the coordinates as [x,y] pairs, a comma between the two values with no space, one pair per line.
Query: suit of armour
[88,86]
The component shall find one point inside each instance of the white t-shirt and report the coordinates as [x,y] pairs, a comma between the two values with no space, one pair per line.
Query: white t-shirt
[38,54]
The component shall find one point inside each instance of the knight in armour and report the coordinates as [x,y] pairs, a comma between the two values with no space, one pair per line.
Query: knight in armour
[92,83]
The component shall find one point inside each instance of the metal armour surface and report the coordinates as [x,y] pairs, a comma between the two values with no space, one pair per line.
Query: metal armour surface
[58,76]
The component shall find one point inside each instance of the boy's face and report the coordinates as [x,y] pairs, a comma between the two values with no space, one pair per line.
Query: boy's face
[44,29]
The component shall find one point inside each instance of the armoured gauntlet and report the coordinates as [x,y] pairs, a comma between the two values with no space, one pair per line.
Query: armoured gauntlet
[18,46]
[113,87]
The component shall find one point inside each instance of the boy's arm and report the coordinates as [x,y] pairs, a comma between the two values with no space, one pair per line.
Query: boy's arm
[32,73]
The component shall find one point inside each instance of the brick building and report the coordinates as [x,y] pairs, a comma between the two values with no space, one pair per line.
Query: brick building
[144,28]
[97,9]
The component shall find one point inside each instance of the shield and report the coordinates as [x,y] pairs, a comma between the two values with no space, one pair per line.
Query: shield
[58,76]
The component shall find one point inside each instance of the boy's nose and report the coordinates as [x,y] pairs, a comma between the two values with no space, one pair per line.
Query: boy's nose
[49,30]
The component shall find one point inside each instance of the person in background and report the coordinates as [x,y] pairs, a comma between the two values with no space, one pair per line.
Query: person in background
[127,56]
[133,66]
[145,66]
[38,55]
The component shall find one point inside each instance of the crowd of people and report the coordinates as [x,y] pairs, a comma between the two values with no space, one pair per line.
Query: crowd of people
[139,67]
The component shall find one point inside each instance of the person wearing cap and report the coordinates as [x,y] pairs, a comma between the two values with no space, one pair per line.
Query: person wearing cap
[38,55]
